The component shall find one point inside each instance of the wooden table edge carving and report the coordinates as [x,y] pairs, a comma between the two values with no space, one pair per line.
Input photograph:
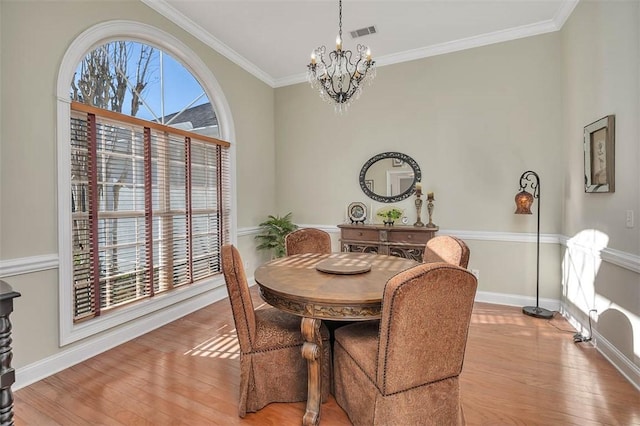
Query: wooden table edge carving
[331,311]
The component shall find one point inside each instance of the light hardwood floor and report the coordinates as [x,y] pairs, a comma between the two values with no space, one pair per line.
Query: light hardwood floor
[518,370]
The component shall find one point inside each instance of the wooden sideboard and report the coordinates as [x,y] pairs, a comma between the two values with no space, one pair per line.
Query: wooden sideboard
[396,240]
[7,373]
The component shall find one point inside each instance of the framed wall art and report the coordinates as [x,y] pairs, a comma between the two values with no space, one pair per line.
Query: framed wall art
[599,155]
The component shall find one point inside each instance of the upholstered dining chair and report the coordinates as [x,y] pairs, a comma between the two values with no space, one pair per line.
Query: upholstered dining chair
[403,370]
[272,368]
[307,240]
[446,248]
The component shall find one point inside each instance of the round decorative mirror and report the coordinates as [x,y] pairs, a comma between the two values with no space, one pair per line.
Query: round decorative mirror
[389,177]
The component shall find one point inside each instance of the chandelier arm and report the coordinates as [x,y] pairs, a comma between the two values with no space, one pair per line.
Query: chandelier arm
[347,67]
[333,83]
[329,83]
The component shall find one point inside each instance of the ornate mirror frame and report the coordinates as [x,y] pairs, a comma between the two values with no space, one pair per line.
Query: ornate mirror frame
[394,155]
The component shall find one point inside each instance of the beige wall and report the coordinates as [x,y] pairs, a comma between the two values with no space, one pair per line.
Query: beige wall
[34,37]
[473,120]
[601,76]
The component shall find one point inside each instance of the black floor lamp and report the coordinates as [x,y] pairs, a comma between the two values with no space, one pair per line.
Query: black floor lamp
[524,200]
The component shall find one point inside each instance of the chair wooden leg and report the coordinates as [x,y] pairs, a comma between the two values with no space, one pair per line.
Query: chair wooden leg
[312,352]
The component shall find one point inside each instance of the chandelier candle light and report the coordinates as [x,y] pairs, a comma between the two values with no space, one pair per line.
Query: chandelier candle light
[340,80]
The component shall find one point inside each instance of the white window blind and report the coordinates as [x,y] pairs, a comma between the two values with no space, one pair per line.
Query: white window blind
[150,208]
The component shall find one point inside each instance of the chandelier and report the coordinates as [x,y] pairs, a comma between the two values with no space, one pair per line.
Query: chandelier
[340,79]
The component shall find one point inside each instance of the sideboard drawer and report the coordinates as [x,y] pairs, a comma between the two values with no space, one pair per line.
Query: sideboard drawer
[398,240]
[360,234]
[409,237]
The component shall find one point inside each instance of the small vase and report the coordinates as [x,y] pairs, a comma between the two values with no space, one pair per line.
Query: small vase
[388,222]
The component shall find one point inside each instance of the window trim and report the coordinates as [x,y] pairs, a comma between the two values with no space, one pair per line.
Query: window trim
[85,42]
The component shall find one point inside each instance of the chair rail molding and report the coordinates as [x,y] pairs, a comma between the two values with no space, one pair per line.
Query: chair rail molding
[31,264]
[250,230]
[27,265]
[616,257]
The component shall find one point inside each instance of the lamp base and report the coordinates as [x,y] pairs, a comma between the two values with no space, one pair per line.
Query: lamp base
[535,311]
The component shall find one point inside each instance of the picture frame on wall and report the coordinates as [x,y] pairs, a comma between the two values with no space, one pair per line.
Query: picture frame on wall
[396,162]
[369,184]
[599,155]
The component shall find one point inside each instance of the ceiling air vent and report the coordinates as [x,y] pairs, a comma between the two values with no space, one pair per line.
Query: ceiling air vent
[363,32]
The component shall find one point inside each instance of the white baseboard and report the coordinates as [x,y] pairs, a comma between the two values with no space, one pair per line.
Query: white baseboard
[516,300]
[629,370]
[110,339]
[623,364]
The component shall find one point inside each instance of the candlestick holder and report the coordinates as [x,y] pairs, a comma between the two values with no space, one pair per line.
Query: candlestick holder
[430,206]
[418,203]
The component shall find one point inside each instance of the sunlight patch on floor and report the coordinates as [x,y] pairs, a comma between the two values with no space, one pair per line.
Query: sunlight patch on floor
[225,345]
[490,317]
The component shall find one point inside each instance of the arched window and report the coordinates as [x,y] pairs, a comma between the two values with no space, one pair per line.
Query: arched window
[144,177]
[143,81]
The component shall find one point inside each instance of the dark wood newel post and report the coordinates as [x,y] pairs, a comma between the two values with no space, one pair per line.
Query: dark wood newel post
[7,374]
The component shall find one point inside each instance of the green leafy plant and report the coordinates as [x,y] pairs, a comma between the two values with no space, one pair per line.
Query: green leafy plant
[390,213]
[273,230]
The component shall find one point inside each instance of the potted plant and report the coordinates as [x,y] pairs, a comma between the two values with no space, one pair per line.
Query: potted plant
[390,215]
[273,230]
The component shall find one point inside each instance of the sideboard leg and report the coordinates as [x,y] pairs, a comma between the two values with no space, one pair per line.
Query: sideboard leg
[7,374]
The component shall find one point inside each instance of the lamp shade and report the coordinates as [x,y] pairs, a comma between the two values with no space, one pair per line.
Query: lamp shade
[524,200]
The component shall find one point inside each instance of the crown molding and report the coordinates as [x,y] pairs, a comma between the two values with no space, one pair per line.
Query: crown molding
[566,9]
[524,31]
[166,10]
[543,27]
[470,43]
[291,80]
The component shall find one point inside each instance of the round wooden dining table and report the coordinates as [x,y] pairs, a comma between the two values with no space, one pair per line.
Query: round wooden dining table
[338,286]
